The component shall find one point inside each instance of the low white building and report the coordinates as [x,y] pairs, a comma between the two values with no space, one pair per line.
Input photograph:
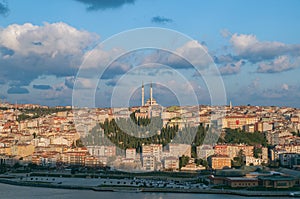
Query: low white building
[252,161]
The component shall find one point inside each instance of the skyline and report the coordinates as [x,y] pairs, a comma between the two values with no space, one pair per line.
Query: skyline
[255,46]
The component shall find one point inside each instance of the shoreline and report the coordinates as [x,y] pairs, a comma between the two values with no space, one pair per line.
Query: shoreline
[150,190]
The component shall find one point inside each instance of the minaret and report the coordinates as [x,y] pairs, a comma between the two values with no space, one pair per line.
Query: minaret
[230,105]
[143,94]
[151,97]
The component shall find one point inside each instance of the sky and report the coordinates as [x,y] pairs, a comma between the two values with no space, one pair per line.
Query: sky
[49,50]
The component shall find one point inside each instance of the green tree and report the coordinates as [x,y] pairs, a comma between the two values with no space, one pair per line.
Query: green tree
[236,136]
[257,152]
[183,161]
[79,143]
[239,160]
[202,162]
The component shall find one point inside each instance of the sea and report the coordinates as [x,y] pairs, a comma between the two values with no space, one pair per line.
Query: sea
[23,192]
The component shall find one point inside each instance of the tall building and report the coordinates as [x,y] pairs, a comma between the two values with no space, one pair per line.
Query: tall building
[152,150]
[151,94]
[151,108]
[151,101]
[143,95]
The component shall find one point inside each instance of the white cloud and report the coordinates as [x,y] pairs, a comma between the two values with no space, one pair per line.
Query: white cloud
[49,39]
[50,49]
[99,57]
[242,42]
[250,48]
[270,56]
[225,33]
[193,52]
[231,68]
[281,63]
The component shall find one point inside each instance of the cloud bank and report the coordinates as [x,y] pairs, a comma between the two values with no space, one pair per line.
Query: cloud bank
[250,48]
[28,51]
[268,56]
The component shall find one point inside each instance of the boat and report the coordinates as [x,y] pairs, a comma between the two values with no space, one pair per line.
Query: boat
[102,189]
[117,189]
[295,194]
[137,190]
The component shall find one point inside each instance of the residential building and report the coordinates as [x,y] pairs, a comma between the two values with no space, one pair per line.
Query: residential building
[171,163]
[219,162]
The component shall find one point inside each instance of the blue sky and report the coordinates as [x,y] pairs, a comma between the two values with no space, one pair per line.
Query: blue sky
[255,45]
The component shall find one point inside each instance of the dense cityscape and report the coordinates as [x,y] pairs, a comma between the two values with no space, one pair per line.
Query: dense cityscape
[149,99]
[252,139]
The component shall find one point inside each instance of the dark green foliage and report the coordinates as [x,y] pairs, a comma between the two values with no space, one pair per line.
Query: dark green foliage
[141,121]
[133,133]
[38,112]
[201,162]
[24,117]
[296,133]
[4,168]
[236,136]
[125,140]
[257,152]
[194,151]
[238,161]
[79,143]
[183,161]
[200,135]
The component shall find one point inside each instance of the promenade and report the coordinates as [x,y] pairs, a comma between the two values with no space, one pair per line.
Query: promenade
[126,185]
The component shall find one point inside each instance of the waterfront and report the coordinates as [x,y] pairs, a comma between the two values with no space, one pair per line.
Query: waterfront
[16,192]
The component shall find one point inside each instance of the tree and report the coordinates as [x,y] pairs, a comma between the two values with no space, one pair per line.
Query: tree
[3,168]
[257,152]
[79,143]
[202,162]
[205,163]
[236,136]
[17,165]
[123,134]
[183,161]
[238,161]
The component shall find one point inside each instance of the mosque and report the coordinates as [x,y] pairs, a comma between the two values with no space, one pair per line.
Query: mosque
[151,108]
[151,101]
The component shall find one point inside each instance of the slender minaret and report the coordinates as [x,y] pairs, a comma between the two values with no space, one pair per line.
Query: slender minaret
[151,97]
[230,105]
[143,94]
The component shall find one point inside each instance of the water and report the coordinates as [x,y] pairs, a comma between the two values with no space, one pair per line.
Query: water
[17,192]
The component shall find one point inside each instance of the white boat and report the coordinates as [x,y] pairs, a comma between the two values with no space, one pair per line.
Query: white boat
[295,194]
